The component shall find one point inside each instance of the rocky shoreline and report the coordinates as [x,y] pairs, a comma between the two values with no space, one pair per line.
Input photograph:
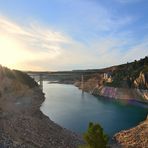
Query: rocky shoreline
[116,93]
[136,137]
[22,124]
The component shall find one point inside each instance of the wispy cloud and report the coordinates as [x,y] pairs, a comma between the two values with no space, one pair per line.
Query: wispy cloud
[35,42]
[128,1]
[137,51]
[104,19]
[37,47]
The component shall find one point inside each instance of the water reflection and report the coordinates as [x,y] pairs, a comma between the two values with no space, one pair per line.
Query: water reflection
[83,95]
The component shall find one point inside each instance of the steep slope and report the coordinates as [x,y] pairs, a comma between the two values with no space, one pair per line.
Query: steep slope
[22,124]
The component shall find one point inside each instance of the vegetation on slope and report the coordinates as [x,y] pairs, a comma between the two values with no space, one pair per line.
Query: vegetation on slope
[17,75]
[124,75]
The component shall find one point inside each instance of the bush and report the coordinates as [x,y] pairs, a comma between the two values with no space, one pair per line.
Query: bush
[95,137]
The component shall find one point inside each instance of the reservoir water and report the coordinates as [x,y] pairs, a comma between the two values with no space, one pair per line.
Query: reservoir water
[67,106]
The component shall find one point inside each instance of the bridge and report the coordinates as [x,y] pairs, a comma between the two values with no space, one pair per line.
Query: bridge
[39,77]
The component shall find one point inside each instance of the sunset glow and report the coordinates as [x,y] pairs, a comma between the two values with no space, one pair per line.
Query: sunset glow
[10,52]
[56,39]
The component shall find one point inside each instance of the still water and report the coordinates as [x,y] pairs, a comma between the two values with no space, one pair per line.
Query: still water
[67,106]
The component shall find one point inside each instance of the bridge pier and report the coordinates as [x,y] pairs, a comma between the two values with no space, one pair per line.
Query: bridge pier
[38,78]
[41,81]
[82,83]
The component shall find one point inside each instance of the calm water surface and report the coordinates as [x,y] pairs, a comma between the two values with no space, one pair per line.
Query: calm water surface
[67,106]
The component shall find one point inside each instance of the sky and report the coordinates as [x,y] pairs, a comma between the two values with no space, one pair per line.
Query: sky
[55,35]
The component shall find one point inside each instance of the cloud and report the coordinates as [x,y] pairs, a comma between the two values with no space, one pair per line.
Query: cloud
[84,17]
[103,19]
[28,43]
[128,1]
[137,51]
[36,47]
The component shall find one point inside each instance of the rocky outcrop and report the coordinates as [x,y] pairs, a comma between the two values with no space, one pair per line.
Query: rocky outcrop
[136,137]
[123,93]
[142,81]
[97,88]
[22,124]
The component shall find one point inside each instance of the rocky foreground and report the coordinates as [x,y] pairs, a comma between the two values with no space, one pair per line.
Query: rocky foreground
[136,137]
[22,124]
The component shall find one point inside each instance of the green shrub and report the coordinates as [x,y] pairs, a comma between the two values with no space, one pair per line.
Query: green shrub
[95,137]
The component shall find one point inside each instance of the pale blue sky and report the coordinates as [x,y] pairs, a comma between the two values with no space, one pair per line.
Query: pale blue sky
[72,34]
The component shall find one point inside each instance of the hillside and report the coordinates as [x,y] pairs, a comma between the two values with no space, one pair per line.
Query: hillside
[17,76]
[126,81]
[131,75]
[22,124]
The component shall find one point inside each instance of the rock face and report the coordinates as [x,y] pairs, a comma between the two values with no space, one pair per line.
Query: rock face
[136,137]
[22,124]
[92,86]
[123,93]
[142,81]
